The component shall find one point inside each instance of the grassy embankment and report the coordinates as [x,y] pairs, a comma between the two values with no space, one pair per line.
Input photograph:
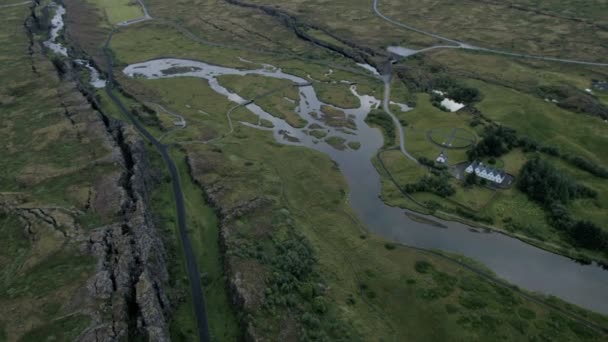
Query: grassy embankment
[51,144]
[202,221]
[116,11]
[492,24]
[542,28]
[380,290]
[508,98]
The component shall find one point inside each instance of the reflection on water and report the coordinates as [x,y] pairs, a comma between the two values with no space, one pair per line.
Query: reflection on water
[519,263]
[52,44]
[56,27]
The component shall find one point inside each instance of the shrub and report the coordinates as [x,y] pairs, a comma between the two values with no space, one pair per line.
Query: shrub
[542,182]
[423,267]
[496,141]
[587,165]
[472,302]
[437,185]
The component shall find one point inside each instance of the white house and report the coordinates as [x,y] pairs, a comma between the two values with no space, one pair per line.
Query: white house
[485,172]
[442,158]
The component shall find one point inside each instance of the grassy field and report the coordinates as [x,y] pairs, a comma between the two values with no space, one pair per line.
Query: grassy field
[277,200]
[48,186]
[116,11]
[367,280]
[203,231]
[277,103]
[425,118]
[572,133]
[492,24]
[537,28]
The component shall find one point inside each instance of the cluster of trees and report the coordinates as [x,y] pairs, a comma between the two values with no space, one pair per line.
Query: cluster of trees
[587,165]
[496,141]
[574,99]
[431,163]
[583,233]
[543,183]
[456,91]
[293,283]
[436,100]
[437,184]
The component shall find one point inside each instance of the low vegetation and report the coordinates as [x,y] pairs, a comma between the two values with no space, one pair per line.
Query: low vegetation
[553,189]
[379,118]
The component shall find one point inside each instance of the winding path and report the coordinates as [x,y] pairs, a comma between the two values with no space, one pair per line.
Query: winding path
[387,108]
[463,45]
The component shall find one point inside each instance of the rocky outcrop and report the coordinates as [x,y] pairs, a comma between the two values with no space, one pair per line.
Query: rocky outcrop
[125,298]
[354,51]
[245,287]
[131,272]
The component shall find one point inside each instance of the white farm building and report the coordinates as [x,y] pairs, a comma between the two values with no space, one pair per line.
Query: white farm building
[485,172]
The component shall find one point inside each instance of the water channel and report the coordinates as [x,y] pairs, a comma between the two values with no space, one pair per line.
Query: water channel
[519,263]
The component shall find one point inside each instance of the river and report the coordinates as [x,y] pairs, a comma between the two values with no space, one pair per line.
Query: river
[519,263]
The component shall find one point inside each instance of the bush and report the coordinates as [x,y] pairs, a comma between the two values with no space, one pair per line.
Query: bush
[379,118]
[454,90]
[496,141]
[587,165]
[526,313]
[451,308]
[423,267]
[542,182]
[389,246]
[472,302]
[438,185]
[587,234]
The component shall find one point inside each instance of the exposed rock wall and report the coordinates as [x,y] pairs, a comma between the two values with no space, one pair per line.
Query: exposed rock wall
[126,296]
[131,273]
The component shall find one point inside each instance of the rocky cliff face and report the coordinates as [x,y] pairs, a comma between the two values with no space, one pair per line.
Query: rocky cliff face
[125,298]
[131,272]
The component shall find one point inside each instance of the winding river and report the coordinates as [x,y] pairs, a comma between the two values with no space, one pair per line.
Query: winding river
[519,263]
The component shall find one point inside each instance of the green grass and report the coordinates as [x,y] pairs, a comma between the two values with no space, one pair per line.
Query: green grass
[64,329]
[506,209]
[204,234]
[337,94]
[378,118]
[116,11]
[425,117]
[366,282]
[336,142]
[578,133]
[504,27]
[47,163]
[275,90]
[375,278]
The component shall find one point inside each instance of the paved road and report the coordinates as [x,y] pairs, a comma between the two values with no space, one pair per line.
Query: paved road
[463,45]
[191,264]
[385,104]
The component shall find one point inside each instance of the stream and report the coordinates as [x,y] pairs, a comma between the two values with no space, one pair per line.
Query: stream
[53,44]
[519,263]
